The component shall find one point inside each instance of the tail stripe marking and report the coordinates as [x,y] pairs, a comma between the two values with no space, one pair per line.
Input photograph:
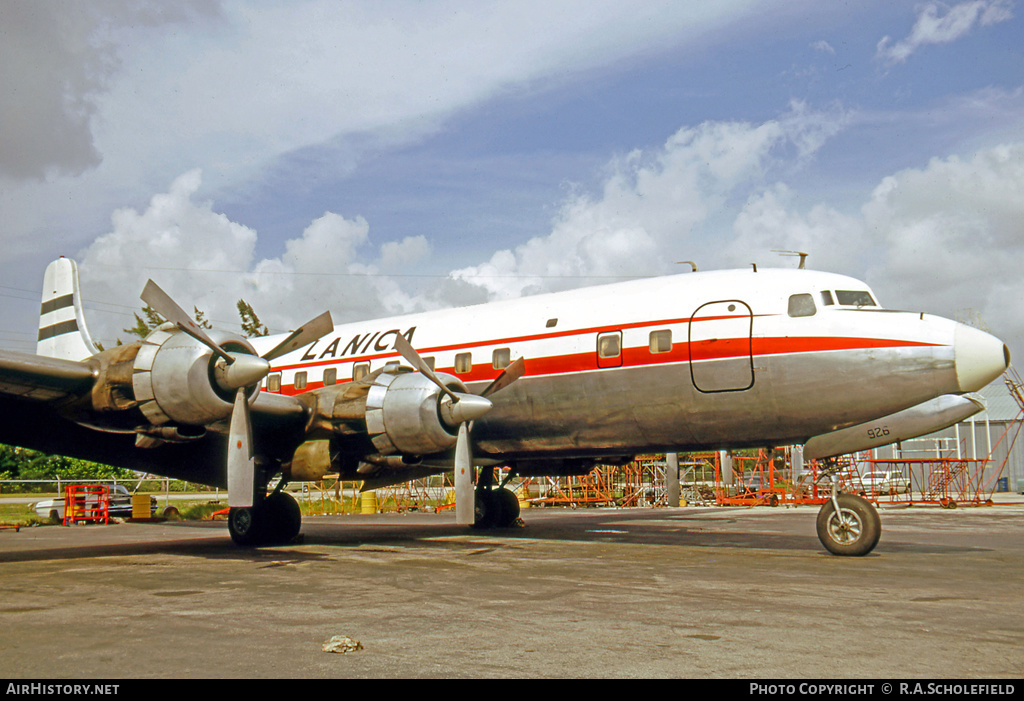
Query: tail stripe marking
[58,329]
[57,303]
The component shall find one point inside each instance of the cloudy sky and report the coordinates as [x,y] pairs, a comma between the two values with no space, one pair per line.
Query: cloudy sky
[374,157]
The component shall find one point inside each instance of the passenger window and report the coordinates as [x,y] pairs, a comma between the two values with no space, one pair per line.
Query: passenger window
[801,305]
[609,345]
[300,380]
[392,366]
[360,370]
[429,361]
[826,298]
[274,382]
[331,376]
[501,358]
[463,363]
[855,298]
[661,341]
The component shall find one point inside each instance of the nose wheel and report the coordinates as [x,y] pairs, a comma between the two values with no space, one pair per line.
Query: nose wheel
[848,525]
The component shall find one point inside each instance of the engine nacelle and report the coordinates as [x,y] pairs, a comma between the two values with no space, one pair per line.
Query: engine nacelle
[174,377]
[403,414]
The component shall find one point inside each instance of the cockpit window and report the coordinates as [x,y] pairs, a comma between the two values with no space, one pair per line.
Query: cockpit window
[801,305]
[826,298]
[855,298]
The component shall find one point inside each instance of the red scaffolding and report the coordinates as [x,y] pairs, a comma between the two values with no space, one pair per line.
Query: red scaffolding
[86,503]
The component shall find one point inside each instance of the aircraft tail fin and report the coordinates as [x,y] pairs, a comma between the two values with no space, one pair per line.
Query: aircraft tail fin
[62,330]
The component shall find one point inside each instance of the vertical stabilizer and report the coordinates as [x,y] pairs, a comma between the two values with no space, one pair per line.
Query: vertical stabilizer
[62,331]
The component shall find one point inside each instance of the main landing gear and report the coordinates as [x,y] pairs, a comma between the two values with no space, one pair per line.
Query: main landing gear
[495,505]
[275,520]
[495,508]
[848,524]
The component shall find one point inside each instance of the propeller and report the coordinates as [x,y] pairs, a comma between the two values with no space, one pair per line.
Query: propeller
[462,409]
[235,372]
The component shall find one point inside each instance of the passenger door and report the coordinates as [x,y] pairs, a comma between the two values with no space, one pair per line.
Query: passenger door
[721,354]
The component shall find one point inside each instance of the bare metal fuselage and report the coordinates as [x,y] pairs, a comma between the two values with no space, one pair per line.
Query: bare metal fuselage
[706,360]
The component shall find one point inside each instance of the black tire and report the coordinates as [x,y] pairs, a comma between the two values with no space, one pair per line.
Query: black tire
[244,526]
[282,518]
[486,508]
[857,535]
[508,507]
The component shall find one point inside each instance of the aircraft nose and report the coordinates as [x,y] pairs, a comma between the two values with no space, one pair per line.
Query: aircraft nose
[980,358]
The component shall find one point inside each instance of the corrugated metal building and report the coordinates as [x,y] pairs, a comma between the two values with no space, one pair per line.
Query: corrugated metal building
[991,432]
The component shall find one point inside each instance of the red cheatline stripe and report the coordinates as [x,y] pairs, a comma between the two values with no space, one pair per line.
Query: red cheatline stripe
[506,341]
[682,352]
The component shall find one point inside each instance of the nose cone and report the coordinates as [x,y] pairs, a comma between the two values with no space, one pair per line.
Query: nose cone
[244,370]
[469,408]
[980,358]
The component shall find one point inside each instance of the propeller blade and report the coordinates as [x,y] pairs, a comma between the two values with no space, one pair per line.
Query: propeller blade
[169,309]
[509,375]
[241,465]
[303,336]
[409,353]
[465,492]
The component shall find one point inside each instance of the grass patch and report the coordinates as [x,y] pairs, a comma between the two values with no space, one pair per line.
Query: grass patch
[21,515]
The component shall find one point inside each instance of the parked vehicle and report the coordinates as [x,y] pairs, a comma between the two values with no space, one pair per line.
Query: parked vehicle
[884,482]
[120,505]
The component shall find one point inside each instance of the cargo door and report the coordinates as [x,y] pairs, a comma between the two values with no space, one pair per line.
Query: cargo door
[721,358]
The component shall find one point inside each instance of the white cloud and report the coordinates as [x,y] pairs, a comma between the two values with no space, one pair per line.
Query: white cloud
[656,208]
[931,28]
[203,259]
[951,232]
[823,46]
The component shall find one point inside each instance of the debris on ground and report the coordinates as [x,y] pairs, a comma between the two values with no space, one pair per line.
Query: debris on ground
[342,644]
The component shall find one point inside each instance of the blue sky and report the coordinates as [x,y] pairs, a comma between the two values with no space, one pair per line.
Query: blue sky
[380,157]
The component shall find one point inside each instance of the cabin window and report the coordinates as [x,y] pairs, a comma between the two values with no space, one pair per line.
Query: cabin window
[274,382]
[429,361]
[801,305]
[826,298]
[501,358]
[331,376]
[855,298]
[392,366]
[609,345]
[359,371]
[463,363]
[661,341]
[552,323]
[300,380]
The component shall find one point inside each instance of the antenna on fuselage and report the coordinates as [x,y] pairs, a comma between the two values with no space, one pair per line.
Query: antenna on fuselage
[688,262]
[803,257]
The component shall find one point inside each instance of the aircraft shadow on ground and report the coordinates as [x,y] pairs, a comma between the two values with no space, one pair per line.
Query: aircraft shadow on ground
[634,528]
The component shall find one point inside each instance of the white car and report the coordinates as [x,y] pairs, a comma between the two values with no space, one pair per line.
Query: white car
[885,483]
[120,505]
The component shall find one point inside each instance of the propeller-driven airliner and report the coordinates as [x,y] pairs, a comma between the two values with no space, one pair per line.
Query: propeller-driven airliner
[552,384]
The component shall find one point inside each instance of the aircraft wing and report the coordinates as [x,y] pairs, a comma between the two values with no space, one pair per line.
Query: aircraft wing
[42,378]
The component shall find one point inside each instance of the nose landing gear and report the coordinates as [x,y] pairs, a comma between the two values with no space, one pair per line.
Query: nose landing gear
[848,524]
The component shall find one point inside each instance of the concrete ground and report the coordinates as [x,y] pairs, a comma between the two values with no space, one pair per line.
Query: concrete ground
[689,592]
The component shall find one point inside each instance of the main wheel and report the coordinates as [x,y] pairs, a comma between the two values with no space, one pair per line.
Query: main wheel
[282,518]
[508,507]
[244,525]
[486,508]
[855,530]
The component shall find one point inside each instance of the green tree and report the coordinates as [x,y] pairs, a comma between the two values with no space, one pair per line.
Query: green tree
[144,325]
[251,324]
